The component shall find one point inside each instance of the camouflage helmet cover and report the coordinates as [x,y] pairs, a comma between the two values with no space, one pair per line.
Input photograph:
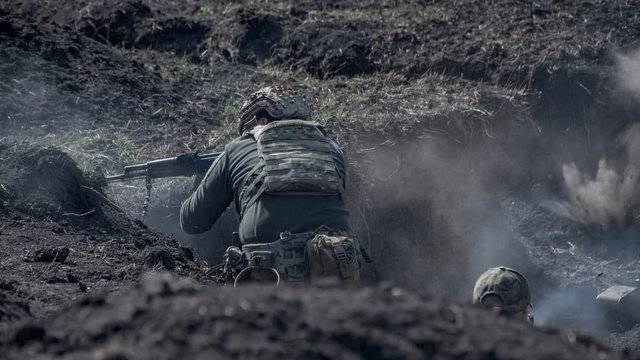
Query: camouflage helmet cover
[508,285]
[278,101]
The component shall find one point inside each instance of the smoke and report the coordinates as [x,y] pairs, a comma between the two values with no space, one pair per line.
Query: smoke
[628,72]
[603,200]
[573,308]
[612,196]
[434,214]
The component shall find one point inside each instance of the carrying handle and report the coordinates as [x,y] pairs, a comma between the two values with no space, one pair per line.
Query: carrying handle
[247,276]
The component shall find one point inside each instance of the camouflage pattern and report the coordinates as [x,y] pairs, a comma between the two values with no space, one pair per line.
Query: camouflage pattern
[330,255]
[296,158]
[298,257]
[503,289]
[286,256]
[278,101]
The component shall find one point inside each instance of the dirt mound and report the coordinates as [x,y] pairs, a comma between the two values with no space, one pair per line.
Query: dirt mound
[60,237]
[326,50]
[472,39]
[111,22]
[165,318]
[247,36]
[45,183]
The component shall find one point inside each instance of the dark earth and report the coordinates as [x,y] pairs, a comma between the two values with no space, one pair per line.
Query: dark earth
[456,117]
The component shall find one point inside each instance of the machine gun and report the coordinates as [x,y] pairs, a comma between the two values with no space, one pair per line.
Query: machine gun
[180,166]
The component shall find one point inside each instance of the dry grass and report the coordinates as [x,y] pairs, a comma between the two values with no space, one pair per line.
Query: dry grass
[392,16]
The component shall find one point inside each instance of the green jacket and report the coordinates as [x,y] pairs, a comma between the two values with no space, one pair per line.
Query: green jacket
[271,214]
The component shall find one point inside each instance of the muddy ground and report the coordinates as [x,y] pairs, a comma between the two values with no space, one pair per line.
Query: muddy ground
[457,118]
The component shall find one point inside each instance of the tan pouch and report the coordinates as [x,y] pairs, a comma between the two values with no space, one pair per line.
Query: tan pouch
[333,256]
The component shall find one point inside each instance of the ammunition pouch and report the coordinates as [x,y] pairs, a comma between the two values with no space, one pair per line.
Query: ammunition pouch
[285,256]
[334,256]
[297,258]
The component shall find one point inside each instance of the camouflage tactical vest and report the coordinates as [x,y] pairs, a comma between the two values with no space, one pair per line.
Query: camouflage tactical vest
[296,158]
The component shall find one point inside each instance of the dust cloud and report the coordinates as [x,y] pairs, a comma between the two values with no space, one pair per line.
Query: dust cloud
[604,201]
[628,72]
[435,215]
[610,197]
[572,308]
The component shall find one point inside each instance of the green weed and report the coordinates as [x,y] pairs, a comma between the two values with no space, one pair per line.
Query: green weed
[209,9]
[125,149]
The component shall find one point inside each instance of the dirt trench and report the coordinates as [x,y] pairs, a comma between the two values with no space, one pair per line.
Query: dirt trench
[78,291]
[450,169]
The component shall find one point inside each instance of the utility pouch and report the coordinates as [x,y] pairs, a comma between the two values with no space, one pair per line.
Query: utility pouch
[285,256]
[330,255]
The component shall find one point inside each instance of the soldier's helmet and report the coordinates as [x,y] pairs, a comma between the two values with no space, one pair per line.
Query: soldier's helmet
[278,101]
[505,290]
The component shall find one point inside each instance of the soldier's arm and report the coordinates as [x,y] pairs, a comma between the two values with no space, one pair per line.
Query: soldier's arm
[201,210]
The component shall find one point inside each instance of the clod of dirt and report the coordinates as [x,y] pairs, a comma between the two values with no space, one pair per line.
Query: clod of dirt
[11,310]
[187,253]
[248,36]
[9,285]
[7,29]
[28,333]
[163,284]
[325,51]
[82,287]
[160,257]
[166,318]
[51,254]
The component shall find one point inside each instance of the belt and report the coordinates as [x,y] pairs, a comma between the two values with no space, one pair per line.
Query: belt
[285,255]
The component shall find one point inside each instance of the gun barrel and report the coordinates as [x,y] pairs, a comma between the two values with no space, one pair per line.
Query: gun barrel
[179,166]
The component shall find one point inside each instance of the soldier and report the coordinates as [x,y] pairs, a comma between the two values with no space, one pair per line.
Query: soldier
[504,290]
[286,179]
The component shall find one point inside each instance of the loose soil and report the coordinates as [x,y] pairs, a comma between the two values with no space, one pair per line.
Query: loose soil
[454,116]
[166,318]
[61,238]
